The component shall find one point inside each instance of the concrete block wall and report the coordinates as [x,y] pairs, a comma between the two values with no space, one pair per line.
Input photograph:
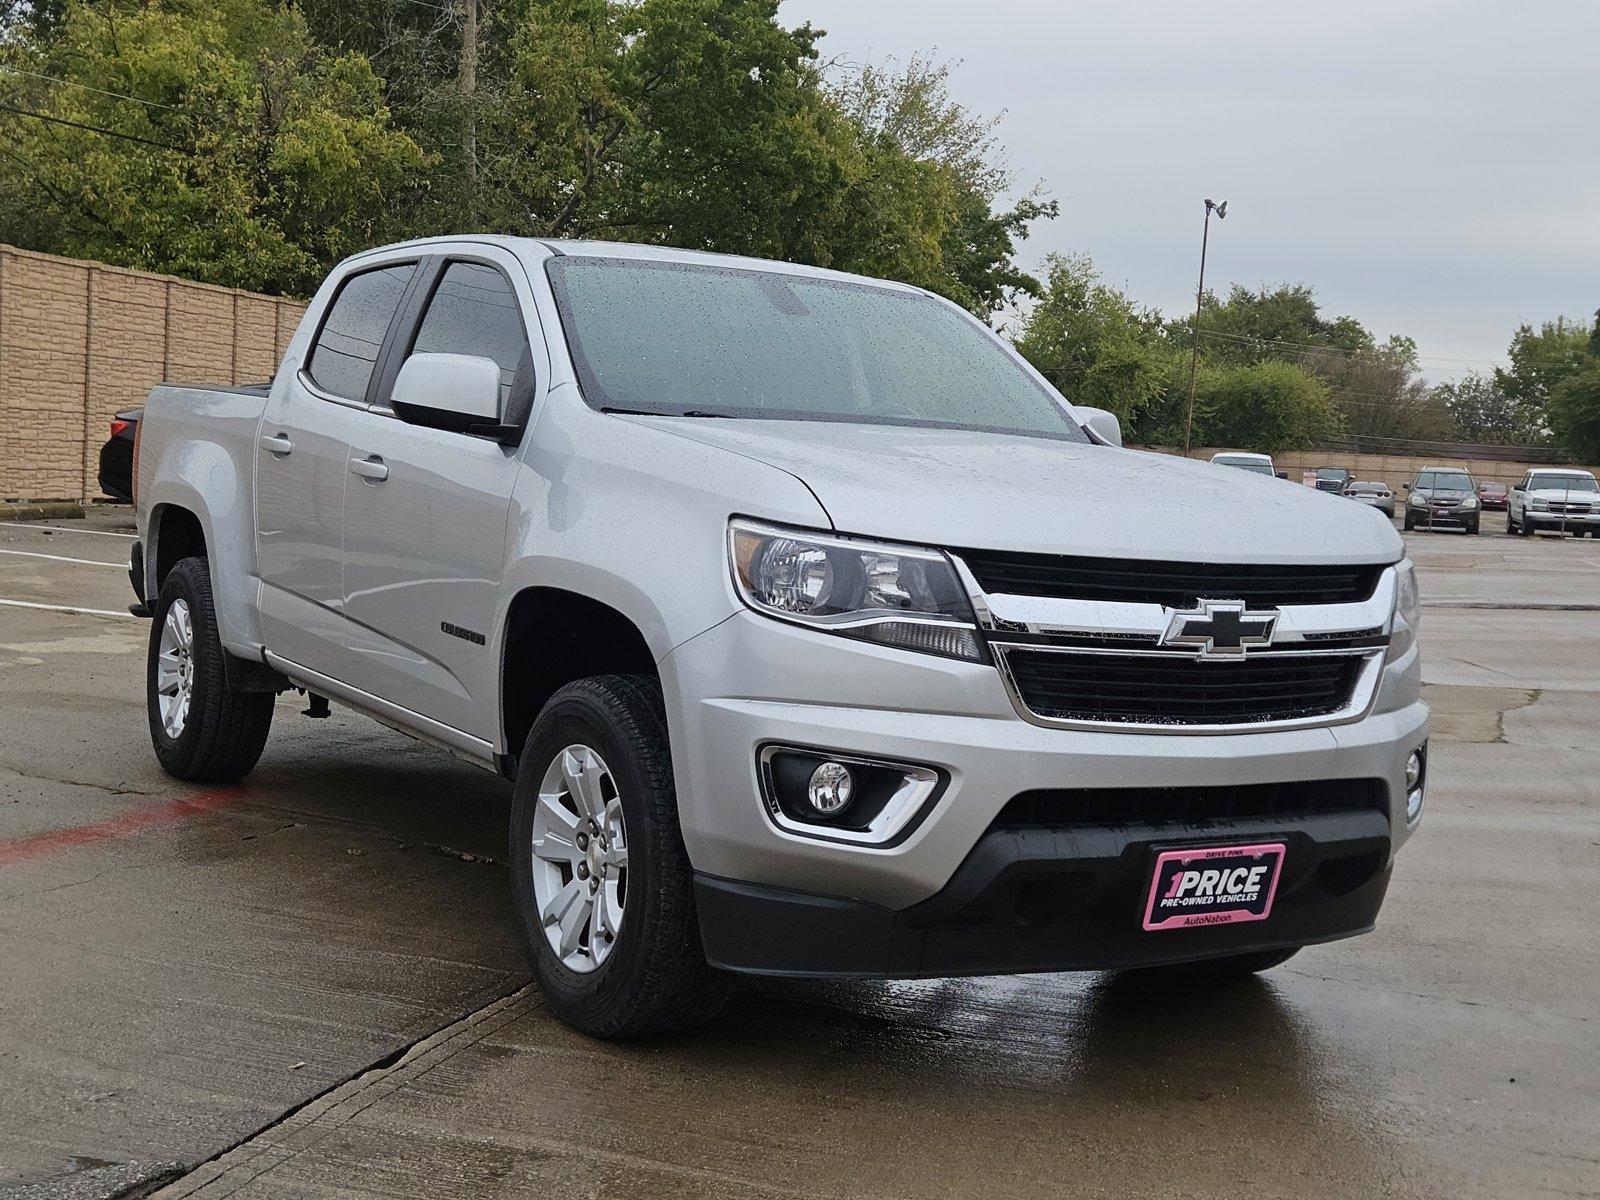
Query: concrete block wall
[80,340]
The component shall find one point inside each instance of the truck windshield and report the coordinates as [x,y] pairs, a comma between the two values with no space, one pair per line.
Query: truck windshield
[1258,465]
[690,340]
[1571,483]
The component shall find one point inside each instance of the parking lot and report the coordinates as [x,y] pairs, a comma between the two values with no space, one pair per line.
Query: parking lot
[311,984]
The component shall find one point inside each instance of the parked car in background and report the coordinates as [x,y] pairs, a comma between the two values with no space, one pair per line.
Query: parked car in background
[116,456]
[1567,501]
[1333,479]
[1261,464]
[1494,496]
[1376,494]
[1442,498]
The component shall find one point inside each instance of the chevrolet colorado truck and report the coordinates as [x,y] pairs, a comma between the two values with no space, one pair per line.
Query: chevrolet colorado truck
[818,634]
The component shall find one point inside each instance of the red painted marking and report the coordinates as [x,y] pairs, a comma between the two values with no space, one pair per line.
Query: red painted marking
[39,845]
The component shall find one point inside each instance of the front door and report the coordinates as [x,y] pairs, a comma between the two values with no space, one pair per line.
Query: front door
[426,511]
[301,471]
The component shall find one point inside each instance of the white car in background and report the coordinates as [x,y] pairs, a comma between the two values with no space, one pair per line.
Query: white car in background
[1378,495]
[1261,464]
[1563,500]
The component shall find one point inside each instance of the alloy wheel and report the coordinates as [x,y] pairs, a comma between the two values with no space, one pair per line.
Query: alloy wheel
[175,669]
[580,858]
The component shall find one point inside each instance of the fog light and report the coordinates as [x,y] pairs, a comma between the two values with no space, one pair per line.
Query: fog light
[830,788]
[1416,783]
[1413,771]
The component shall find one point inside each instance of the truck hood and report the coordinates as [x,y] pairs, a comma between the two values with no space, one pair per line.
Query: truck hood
[975,490]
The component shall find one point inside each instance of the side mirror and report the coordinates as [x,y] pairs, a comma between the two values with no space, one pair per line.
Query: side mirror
[448,391]
[1517,487]
[1285,475]
[1104,425]
[1405,487]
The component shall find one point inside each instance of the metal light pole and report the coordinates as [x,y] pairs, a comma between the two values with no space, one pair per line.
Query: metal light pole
[1199,297]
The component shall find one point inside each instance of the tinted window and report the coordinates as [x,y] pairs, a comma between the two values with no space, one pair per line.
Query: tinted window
[1450,481]
[679,339]
[474,311]
[347,345]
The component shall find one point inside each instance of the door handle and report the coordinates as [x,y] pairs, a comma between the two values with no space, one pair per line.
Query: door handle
[371,467]
[277,443]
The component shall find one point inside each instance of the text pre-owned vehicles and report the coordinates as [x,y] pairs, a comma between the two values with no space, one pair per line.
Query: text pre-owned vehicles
[819,635]
[1564,500]
[1442,498]
[1376,494]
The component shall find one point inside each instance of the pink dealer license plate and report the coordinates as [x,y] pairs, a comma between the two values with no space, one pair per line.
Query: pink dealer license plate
[1219,885]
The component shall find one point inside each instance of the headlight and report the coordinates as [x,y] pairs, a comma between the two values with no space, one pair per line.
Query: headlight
[1470,502]
[1407,611]
[1539,505]
[903,596]
[1417,501]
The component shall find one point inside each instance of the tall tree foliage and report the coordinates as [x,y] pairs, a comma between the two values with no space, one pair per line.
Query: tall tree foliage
[247,154]
[1574,403]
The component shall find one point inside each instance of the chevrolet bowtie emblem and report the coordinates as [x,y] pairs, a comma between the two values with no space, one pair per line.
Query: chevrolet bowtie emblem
[1220,628]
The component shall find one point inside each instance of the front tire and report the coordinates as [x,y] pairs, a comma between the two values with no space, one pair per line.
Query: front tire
[601,879]
[202,730]
[1473,528]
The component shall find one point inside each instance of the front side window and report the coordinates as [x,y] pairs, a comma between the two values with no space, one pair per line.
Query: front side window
[474,311]
[352,333]
[682,339]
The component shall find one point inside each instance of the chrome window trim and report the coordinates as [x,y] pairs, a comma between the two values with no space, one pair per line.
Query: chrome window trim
[306,382]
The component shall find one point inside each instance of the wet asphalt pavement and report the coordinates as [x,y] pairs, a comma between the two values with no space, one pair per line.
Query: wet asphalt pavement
[311,985]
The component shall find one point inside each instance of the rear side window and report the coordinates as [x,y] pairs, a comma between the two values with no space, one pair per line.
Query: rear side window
[474,311]
[347,345]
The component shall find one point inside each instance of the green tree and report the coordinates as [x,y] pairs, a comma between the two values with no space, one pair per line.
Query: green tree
[1574,404]
[1265,406]
[1540,359]
[1481,412]
[1101,349]
[1279,322]
[248,156]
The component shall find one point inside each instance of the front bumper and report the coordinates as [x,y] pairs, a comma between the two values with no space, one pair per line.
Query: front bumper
[1052,900]
[1451,518]
[1569,521]
[751,682]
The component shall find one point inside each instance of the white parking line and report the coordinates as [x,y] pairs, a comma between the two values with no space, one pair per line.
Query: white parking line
[132,537]
[70,608]
[86,562]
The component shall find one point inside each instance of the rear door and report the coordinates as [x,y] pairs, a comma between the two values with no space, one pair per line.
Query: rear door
[302,467]
[425,544]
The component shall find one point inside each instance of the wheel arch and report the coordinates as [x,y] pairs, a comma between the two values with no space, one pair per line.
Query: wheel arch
[552,636]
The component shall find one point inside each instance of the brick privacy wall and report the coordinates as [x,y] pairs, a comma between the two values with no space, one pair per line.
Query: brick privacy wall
[1393,469]
[80,340]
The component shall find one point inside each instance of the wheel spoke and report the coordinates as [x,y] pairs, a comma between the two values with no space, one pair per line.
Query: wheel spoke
[555,831]
[583,783]
[574,921]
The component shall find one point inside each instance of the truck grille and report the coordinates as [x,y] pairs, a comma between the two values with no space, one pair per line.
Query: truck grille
[1571,506]
[1175,585]
[1077,808]
[1173,689]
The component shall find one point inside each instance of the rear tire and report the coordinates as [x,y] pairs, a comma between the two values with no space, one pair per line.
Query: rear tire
[202,730]
[650,975]
[1218,970]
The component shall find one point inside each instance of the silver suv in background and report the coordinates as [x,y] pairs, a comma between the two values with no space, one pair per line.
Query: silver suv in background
[1564,500]
[1442,498]
[819,635]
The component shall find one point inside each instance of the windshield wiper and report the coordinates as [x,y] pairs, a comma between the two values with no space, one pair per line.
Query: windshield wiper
[656,412]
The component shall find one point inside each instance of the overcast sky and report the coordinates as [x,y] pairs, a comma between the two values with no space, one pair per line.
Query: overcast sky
[1431,167]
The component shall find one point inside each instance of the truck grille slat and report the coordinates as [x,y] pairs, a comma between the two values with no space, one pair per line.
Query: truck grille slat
[1178,690]
[1175,585]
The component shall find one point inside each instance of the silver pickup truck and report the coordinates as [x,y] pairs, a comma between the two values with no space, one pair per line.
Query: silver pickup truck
[818,634]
